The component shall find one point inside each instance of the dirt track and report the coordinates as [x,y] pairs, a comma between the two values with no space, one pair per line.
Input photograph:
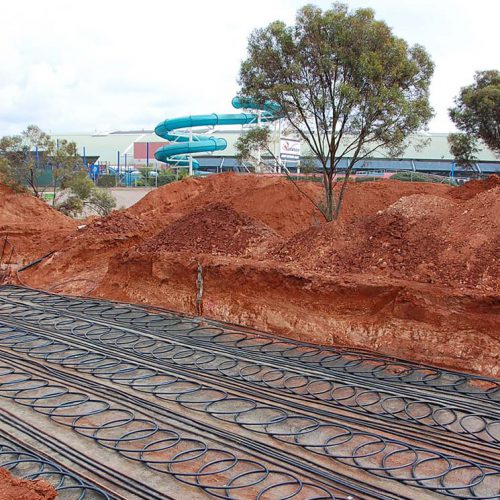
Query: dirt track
[409,270]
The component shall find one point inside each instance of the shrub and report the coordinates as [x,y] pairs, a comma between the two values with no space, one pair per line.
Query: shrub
[421,177]
[106,181]
[166,177]
[368,178]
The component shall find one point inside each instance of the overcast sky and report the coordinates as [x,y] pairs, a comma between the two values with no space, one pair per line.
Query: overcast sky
[107,64]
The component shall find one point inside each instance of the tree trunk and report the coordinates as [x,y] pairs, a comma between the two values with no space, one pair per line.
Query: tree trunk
[33,183]
[343,189]
[328,184]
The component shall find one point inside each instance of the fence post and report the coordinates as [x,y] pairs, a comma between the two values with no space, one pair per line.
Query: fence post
[117,173]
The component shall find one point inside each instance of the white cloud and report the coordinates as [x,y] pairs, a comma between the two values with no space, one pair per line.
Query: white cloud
[70,66]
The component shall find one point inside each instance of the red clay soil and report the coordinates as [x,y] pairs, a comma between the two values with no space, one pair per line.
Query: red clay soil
[422,238]
[409,269]
[21,489]
[472,188]
[31,225]
[279,203]
[275,201]
[215,229]
[87,251]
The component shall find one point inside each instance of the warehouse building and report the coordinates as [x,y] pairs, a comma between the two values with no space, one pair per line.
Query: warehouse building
[427,153]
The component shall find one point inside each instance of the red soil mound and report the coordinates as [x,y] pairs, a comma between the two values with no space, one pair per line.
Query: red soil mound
[422,238]
[108,232]
[286,207]
[367,198]
[85,253]
[216,229]
[34,227]
[472,188]
[21,489]
[275,201]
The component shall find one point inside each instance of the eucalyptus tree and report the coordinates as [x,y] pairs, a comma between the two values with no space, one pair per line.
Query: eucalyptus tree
[477,115]
[345,83]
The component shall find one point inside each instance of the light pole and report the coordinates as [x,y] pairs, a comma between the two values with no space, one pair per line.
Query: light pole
[190,155]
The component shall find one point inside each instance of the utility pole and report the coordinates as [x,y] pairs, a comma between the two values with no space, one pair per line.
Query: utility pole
[117,174]
[126,177]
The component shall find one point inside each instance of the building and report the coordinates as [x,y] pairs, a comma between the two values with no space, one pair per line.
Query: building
[136,147]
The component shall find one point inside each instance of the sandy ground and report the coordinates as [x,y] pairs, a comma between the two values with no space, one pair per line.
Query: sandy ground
[126,197]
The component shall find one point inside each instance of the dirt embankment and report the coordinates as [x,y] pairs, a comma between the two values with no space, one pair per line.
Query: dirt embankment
[21,489]
[31,225]
[409,269]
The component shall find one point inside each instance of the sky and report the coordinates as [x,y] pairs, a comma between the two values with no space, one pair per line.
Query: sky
[96,66]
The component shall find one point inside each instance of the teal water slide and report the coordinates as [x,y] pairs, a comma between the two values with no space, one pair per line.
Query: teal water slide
[184,144]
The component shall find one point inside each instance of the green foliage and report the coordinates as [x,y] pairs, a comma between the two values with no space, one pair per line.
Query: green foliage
[345,83]
[71,206]
[306,178]
[7,176]
[421,177]
[83,193]
[66,163]
[81,186]
[463,147]
[20,166]
[255,139]
[477,109]
[106,181]
[102,201]
[146,178]
[166,177]
[183,174]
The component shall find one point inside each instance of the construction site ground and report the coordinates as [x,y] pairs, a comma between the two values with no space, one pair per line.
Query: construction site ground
[272,355]
[127,402]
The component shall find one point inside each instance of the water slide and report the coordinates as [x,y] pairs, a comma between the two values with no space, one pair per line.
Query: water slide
[184,144]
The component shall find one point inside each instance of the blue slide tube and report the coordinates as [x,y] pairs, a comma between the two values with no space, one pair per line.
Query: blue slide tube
[182,145]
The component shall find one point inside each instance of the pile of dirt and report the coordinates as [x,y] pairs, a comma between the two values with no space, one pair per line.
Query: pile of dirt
[472,241]
[368,198]
[417,206]
[287,207]
[215,229]
[274,201]
[83,256]
[472,188]
[22,489]
[421,238]
[109,232]
[31,224]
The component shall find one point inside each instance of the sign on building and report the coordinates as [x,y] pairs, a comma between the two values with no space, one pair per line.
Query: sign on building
[289,149]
